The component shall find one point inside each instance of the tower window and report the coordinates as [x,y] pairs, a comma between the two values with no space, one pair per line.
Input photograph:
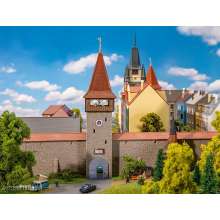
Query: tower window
[93,130]
[105,141]
[105,119]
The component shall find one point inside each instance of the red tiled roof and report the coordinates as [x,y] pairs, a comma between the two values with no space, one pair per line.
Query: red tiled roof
[141,136]
[129,136]
[152,79]
[199,135]
[100,86]
[57,111]
[47,137]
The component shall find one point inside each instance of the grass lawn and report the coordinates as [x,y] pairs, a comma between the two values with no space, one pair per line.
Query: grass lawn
[129,188]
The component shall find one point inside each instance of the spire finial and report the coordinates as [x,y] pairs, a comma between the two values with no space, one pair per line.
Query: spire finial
[134,40]
[100,44]
[150,61]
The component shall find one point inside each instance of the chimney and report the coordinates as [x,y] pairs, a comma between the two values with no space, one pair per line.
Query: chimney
[142,84]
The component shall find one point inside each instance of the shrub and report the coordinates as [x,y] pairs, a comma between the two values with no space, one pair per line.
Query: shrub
[150,187]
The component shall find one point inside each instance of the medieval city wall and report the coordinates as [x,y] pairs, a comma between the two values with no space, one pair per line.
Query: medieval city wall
[145,149]
[51,156]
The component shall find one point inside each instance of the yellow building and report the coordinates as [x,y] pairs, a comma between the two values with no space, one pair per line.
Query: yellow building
[142,94]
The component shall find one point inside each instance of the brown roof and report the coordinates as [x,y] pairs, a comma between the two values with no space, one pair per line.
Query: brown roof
[100,86]
[201,135]
[47,137]
[130,136]
[141,136]
[152,79]
[58,111]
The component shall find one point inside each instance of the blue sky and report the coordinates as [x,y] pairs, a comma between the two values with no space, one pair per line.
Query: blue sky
[40,66]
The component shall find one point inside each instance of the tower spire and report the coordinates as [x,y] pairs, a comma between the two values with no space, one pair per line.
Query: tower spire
[100,44]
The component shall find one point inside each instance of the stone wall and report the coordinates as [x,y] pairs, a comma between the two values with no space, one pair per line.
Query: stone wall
[53,155]
[146,150]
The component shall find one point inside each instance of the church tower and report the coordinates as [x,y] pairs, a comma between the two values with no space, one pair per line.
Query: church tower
[99,105]
[134,71]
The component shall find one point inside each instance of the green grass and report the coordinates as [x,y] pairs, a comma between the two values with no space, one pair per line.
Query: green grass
[130,188]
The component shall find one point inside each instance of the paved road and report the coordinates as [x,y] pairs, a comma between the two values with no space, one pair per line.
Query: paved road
[74,188]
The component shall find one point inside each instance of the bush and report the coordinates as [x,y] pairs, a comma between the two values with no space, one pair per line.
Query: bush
[151,187]
[132,166]
[66,174]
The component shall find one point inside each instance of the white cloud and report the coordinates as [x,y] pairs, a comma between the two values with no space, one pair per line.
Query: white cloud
[39,85]
[210,34]
[212,87]
[199,85]
[191,73]
[71,94]
[18,97]
[117,81]
[19,111]
[218,52]
[166,85]
[7,69]
[80,65]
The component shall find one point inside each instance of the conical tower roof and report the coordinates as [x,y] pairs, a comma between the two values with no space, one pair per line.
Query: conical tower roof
[100,86]
[151,78]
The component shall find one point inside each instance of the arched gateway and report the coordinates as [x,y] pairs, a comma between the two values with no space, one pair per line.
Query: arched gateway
[98,169]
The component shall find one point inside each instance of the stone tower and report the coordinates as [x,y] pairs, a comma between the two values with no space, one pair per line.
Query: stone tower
[99,105]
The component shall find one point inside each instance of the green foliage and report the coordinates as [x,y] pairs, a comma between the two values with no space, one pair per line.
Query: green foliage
[77,114]
[150,187]
[216,122]
[158,170]
[180,126]
[115,121]
[209,179]
[67,175]
[196,175]
[13,162]
[151,123]
[129,188]
[132,166]
[177,177]
[17,175]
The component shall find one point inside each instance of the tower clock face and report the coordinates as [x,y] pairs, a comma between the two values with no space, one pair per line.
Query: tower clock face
[99,102]
[99,123]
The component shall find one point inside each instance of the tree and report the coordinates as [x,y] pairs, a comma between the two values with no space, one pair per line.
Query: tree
[77,114]
[180,126]
[151,123]
[209,178]
[14,163]
[177,176]
[196,175]
[132,166]
[158,170]
[115,121]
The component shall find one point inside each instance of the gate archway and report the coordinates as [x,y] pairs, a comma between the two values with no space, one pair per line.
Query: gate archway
[98,169]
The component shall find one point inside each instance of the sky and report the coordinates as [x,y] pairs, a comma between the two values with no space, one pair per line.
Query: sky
[40,66]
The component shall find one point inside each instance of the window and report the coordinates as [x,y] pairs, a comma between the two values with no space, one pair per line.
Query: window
[105,141]
[105,119]
[93,130]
